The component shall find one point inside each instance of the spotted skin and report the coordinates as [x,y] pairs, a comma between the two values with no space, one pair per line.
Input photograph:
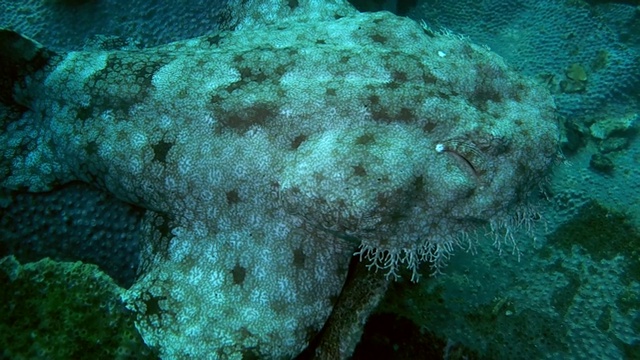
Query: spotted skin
[267,157]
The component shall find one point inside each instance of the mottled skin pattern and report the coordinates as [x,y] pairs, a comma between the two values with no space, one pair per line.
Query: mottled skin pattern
[268,157]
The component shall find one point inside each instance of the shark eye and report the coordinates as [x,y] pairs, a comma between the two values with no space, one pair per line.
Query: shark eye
[465,153]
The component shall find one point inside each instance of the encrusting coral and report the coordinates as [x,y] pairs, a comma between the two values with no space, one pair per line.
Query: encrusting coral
[64,310]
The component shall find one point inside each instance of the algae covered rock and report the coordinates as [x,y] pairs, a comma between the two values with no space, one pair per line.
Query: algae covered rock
[64,310]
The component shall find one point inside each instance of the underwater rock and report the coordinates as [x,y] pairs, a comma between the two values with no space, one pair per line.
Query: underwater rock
[64,310]
[601,163]
[267,157]
[614,126]
[576,72]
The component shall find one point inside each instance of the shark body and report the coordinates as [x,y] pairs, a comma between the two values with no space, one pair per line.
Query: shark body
[267,157]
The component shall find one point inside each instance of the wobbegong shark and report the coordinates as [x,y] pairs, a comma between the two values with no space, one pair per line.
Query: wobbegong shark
[271,160]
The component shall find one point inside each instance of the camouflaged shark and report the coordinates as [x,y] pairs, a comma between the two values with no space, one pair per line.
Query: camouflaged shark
[267,157]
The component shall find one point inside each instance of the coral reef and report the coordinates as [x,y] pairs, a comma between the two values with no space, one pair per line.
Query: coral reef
[69,24]
[573,296]
[546,38]
[75,222]
[63,310]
